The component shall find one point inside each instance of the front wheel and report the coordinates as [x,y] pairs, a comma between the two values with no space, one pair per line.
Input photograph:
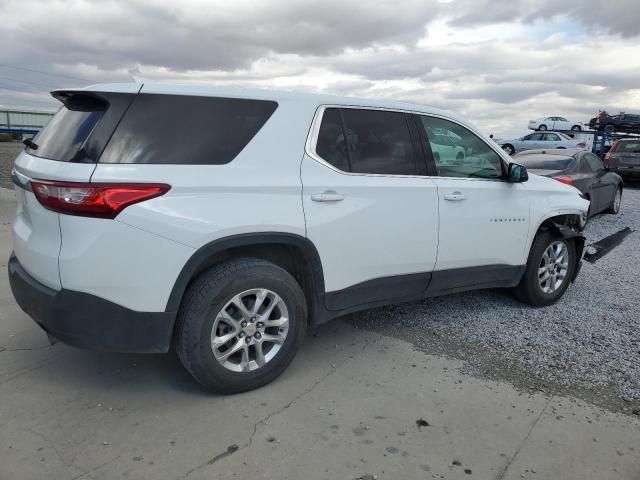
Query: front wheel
[240,324]
[576,128]
[617,201]
[542,128]
[550,267]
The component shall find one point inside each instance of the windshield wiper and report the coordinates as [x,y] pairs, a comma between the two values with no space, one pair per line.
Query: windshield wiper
[30,143]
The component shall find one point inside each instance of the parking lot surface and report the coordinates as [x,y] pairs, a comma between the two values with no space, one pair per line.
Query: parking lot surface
[359,401]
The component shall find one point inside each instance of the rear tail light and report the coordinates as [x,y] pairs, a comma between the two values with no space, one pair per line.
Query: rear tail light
[609,152]
[563,179]
[99,200]
[582,145]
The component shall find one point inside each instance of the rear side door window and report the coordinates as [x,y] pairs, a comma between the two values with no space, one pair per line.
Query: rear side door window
[366,141]
[473,157]
[551,137]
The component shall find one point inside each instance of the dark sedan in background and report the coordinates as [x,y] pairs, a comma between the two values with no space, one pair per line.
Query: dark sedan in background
[581,169]
[624,157]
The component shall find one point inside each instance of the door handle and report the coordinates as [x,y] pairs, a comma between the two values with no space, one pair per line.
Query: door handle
[454,197]
[327,196]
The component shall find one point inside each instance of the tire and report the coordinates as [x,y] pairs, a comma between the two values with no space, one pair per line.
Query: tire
[201,309]
[614,209]
[542,128]
[576,128]
[529,290]
[609,128]
[509,148]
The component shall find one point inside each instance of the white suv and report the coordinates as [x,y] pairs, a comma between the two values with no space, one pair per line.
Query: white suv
[224,222]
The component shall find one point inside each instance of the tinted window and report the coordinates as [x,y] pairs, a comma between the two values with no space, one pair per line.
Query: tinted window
[178,129]
[533,136]
[379,142]
[551,137]
[63,137]
[595,164]
[331,145]
[545,162]
[469,157]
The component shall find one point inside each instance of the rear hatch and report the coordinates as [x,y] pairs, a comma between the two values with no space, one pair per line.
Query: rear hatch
[626,153]
[66,149]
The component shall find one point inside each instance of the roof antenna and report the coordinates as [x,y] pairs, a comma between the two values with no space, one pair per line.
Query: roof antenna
[140,80]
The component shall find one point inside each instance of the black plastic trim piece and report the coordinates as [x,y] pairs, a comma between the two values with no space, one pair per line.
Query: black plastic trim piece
[378,290]
[88,321]
[475,278]
[199,259]
[416,286]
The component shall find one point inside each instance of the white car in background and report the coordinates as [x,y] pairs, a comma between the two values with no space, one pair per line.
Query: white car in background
[548,140]
[446,150]
[554,123]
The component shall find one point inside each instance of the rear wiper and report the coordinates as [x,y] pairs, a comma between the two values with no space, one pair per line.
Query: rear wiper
[30,143]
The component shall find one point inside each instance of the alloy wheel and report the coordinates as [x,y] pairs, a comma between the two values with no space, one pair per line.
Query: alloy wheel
[554,267]
[617,201]
[249,330]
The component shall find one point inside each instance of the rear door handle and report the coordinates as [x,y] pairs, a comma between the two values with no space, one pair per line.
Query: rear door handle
[454,197]
[327,196]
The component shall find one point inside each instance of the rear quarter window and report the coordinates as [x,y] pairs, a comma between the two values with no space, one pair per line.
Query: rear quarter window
[179,129]
[64,136]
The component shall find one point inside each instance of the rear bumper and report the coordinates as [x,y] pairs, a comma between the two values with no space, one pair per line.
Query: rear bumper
[88,321]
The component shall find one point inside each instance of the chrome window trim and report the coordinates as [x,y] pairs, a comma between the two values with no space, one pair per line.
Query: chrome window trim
[312,139]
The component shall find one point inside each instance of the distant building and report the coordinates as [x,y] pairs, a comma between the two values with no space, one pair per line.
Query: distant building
[23,121]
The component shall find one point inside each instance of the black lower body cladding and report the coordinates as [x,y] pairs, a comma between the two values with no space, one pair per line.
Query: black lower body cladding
[87,321]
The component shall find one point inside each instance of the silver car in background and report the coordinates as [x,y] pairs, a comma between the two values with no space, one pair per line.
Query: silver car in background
[543,140]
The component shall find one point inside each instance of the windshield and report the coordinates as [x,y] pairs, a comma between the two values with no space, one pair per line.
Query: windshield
[628,147]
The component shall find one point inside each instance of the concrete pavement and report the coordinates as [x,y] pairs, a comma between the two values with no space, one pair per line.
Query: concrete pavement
[353,404]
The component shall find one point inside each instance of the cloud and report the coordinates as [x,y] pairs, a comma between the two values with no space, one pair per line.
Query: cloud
[497,65]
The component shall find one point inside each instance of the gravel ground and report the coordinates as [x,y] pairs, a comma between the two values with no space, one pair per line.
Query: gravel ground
[587,345]
[8,153]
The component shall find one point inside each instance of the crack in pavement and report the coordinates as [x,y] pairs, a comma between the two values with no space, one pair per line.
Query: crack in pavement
[5,349]
[504,471]
[231,449]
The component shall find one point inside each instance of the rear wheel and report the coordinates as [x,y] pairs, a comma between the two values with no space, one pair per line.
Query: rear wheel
[509,149]
[240,324]
[617,201]
[609,128]
[551,263]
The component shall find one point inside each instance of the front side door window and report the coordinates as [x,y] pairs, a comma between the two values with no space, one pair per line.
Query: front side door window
[465,154]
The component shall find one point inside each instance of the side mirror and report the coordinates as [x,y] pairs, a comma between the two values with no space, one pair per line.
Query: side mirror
[517,173]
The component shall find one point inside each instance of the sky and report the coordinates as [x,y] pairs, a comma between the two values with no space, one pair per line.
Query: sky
[497,63]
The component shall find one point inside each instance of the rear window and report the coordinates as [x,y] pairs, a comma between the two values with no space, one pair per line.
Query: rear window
[64,136]
[546,163]
[628,147]
[179,129]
